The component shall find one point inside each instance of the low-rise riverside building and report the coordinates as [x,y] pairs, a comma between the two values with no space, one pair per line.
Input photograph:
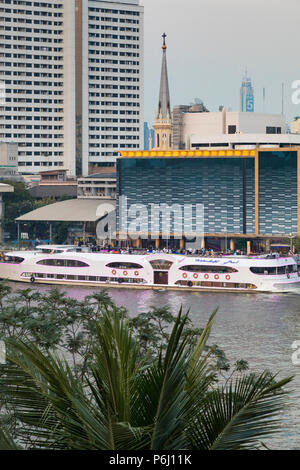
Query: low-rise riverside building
[97,186]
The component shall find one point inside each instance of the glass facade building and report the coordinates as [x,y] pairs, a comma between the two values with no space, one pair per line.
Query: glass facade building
[254,193]
[278,192]
[225,187]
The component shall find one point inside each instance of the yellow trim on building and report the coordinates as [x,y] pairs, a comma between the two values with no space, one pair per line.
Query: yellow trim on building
[188,153]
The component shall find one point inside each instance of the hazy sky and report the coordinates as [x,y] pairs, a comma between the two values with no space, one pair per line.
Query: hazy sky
[210,43]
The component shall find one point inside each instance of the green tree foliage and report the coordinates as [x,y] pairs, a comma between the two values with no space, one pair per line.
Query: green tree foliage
[54,321]
[16,204]
[20,202]
[85,375]
[60,232]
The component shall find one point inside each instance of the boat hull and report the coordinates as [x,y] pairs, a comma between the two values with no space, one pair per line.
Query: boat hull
[282,288]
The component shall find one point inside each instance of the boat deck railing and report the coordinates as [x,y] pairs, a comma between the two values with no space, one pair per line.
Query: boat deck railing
[192,254]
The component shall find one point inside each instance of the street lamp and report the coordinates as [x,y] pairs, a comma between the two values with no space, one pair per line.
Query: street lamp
[291,237]
[226,235]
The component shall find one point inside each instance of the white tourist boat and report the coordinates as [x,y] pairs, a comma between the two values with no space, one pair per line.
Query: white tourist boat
[66,265]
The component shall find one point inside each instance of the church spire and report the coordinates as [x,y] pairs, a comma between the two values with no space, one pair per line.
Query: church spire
[163,123]
[164,106]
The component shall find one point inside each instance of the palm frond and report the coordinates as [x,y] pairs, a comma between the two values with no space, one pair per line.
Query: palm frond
[159,395]
[7,442]
[115,365]
[201,370]
[52,404]
[238,415]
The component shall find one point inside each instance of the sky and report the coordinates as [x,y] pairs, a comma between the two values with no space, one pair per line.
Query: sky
[210,43]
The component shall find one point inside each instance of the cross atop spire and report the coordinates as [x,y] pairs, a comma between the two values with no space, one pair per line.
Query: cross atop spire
[163,118]
[164,96]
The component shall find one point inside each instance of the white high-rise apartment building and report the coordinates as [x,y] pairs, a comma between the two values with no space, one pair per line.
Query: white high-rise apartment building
[71,81]
[37,74]
[109,79]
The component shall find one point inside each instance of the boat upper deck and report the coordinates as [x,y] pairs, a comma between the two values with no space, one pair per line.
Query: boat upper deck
[71,252]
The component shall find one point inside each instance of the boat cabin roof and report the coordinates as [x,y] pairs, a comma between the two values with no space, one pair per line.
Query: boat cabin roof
[69,252]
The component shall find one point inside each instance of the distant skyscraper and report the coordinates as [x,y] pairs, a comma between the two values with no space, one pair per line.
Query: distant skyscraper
[146,136]
[247,95]
[152,133]
[147,133]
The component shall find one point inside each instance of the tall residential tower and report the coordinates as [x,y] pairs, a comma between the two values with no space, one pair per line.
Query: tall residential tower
[37,74]
[110,70]
[71,82]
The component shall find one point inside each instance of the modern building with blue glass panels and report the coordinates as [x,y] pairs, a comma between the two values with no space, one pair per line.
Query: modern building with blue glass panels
[245,194]
[278,204]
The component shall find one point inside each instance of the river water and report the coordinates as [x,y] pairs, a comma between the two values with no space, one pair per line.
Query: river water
[259,328]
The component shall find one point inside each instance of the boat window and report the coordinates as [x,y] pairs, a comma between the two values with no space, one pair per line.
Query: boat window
[292,268]
[195,268]
[273,271]
[98,279]
[68,263]
[227,285]
[263,270]
[124,266]
[50,251]
[12,259]
[161,264]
